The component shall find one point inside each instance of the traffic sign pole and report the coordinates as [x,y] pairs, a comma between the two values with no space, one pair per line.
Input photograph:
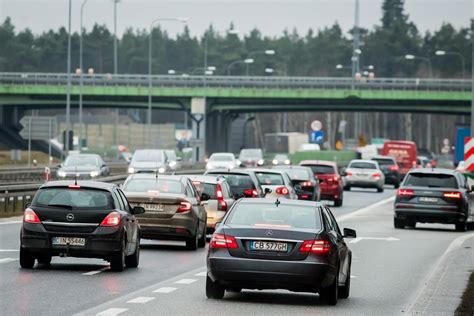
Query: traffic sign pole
[29,141]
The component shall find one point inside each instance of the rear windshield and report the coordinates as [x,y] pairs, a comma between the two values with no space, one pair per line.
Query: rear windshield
[208,188]
[74,198]
[269,178]
[270,215]
[322,169]
[298,174]
[362,165]
[417,179]
[384,162]
[160,185]
[238,182]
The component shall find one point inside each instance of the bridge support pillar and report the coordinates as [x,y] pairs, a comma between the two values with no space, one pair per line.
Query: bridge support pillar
[198,116]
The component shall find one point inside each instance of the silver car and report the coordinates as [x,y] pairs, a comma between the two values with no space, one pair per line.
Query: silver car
[276,183]
[363,174]
[148,161]
[83,166]
[222,161]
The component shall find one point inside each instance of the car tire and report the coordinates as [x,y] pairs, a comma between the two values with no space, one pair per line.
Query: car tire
[398,223]
[380,190]
[347,188]
[235,289]
[192,243]
[330,294]
[44,259]
[346,288]
[410,224]
[27,261]
[461,227]
[202,240]
[117,262]
[338,202]
[214,290]
[133,260]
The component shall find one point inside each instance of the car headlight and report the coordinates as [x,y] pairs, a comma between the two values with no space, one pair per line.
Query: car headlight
[261,162]
[172,164]
[131,170]
[161,170]
[275,162]
[209,166]
[94,174]
[287,162]
[62,174]
[231,166]
[238,162]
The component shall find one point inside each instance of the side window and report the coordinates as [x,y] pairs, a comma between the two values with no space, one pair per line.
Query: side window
[227,191]
[327,220]
[190,190]
[124,201]
[118,199]
[333,222]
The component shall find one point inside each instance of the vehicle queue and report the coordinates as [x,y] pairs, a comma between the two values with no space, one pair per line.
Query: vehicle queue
[265,221]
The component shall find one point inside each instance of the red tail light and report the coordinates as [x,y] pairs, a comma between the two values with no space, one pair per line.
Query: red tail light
[184,207]
[250,193]
[282,191]
[348,173]
[452,195]
[316,246]
[307,184]
[29,216]
[74,186]
[405,192]
[222,205]
[219,193]
[113,219]
[376,175]
[336,178]
[223,241]
[393,168]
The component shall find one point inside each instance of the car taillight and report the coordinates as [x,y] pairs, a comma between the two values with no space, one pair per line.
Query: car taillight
[452,195]
[336,178]
[113,219]
[282,191]
[393,168]
[251,193]
[376,175]
[184,207]
[307,184]
[223,241]
[315,246]
[405,192]
[29,216]
[219,193]
[222,205]
[348,173]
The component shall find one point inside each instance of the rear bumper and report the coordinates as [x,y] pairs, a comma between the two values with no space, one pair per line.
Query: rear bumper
[169,228]
[298,276]
[364,183]
[431,215]
[330,192]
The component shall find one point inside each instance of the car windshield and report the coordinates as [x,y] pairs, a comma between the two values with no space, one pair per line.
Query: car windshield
[251,153]
[81,161]
[74,198]
[266,178]
[152,184]
[148,155]
[208,188]
[272,216]
[238,183]
[418,179]
[384,162]
[362,165]
[221,158]
[298,174]
[322,169]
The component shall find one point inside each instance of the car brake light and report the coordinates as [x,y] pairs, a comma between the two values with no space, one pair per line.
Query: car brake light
[223,241]
[282,191]
[307,184]
[222,205]
[219,193]
[452,195]
[113,219]
[336,178]
[74,186]
[250,193]
[29,216]
[315,246]
[376,175]
[404,192]
[393,168]
[185,207]
[348,173]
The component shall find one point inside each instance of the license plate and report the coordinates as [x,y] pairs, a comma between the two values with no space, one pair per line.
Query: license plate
[428,199]
[362,175]
[268,246]
[153,207]
[71,241]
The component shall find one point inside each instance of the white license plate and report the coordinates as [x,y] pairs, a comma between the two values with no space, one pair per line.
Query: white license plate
[268,246]
[428,199]
[71,241]
[153,207]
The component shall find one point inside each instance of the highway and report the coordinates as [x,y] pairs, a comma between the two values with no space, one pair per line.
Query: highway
[389,269]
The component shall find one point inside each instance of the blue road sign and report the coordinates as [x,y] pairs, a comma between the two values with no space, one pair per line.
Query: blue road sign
[317,137]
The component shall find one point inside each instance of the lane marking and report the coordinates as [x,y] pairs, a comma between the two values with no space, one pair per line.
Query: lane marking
[96,271]
[353,277]
[141,300]
[203,273]
[165,290]
[9,250]
[186,281]
[356,240]
[6,260]
[9,223]
[364,210]
[112,312]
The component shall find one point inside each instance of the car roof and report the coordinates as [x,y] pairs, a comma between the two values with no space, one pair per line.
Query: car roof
[363,160]
[83,155]
[269,201]
[318,162]
[434,171]
[266,170]
[82,183]
[232,171]
[290,167]
[224,154]
[153,176]
[383,157]
[207,179]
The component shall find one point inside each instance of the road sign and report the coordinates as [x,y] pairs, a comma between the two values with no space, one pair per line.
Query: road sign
[193,142]
[469,153]
[316,125]
[38,127]
[317,137]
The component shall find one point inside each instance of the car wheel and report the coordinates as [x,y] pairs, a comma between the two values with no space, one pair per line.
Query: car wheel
[347,188]
[44,259]
[133,260]
[398,223]
[380,189]
[329,294]
[214,290]
[202,240]
[235,289]
[410,224]
[345,289]
[117,263]
[461,226]
[27,261]
[192,243]
[338,202]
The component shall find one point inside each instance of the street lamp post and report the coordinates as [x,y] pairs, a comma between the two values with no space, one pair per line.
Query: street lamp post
[245,61]
[257,52]
[68,95]
[81,76]
[463,61]
[428,61]
[183,20]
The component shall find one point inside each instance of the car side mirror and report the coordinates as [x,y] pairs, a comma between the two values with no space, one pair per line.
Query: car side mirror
[349,233]
[138,210]
[205,197]
[267,191]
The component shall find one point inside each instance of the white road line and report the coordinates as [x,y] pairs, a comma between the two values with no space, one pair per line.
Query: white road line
[112,311]
[203,273]
[186,281]
[9,250]
[96,271]
[165,290]
[6,260]
[141,300]
[364,210]
[353,277]
[9,223]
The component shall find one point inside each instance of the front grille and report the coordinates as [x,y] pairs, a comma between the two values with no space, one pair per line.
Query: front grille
[69,229]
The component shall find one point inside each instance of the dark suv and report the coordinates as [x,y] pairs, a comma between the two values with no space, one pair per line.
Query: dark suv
[390,169]
[242,182]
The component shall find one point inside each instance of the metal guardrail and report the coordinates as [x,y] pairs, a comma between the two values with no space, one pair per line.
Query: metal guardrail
[123,80]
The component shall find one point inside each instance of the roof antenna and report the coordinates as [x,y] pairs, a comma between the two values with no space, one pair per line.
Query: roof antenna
[75,176]
[277,202]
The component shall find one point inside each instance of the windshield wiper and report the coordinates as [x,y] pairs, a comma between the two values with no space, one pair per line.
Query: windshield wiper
[61,205]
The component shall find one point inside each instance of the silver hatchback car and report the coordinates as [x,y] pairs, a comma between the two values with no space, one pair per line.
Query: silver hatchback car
[363,174]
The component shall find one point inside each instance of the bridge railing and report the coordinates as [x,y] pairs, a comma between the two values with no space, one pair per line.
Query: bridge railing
[246,82]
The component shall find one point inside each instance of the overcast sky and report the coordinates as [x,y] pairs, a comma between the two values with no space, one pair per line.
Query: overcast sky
[271,17]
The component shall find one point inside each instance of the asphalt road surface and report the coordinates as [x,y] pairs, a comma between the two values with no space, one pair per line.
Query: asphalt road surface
[388,271]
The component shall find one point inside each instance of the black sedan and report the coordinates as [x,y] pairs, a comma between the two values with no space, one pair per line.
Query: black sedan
[89,220]
[279,244]
[242,182]
[306,185]
[433,196]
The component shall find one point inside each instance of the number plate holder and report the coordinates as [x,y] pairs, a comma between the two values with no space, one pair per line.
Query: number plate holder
[262,245]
